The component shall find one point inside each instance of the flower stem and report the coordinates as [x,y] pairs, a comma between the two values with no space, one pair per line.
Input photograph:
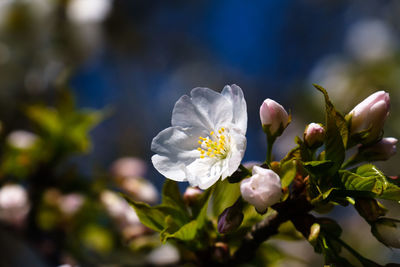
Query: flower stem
[270,142]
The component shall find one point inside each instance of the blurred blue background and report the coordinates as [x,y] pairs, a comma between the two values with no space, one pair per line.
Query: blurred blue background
[151,53]
[135,58]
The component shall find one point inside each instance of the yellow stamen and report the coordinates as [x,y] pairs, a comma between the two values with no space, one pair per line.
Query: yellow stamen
[213,145]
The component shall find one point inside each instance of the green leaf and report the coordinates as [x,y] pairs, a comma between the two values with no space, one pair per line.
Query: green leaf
[225,195]
[189,230]
[171,196]
[336,133]
[156,217]
[353,181]
[287,231]
[46,118]
[149,216]
[68,132]
[287,172]
[368,179]
[202,217]
[185,233]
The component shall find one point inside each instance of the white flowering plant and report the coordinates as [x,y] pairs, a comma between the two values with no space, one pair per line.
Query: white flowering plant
[231,208]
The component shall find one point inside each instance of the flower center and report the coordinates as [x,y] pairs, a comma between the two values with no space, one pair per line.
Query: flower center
[214,145]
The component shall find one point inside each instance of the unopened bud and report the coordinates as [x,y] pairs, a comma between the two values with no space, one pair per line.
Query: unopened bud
[370,116]
[191,195]
[387,231]
[383,150]
[314,135]
[314,233]
[261,190]
[274,118]
[230,219]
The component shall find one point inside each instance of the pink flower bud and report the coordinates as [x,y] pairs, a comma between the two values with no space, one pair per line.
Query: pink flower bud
[273,117]
[388,232]
[370,115]
[314,135]
[261,190]
[382,150]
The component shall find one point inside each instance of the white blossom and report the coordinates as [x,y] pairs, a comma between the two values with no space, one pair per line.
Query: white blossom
[262,189]
[164,255]
[129,167]
[14,203]
[88,11]
[118,208]
[207,138]
[22,139]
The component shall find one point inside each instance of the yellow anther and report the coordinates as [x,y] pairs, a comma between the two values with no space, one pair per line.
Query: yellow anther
[213,145]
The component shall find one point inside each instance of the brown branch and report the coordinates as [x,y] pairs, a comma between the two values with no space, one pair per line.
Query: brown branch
[295,210]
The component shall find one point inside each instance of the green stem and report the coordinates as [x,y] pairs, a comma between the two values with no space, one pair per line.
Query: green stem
[270,142]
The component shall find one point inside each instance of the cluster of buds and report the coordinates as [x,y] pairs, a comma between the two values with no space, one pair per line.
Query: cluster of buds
[366,122]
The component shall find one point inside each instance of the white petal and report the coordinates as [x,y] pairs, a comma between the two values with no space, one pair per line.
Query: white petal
[235,95]
[175,148]
[186,114]
[205,172]
[205,108]
[238,148]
